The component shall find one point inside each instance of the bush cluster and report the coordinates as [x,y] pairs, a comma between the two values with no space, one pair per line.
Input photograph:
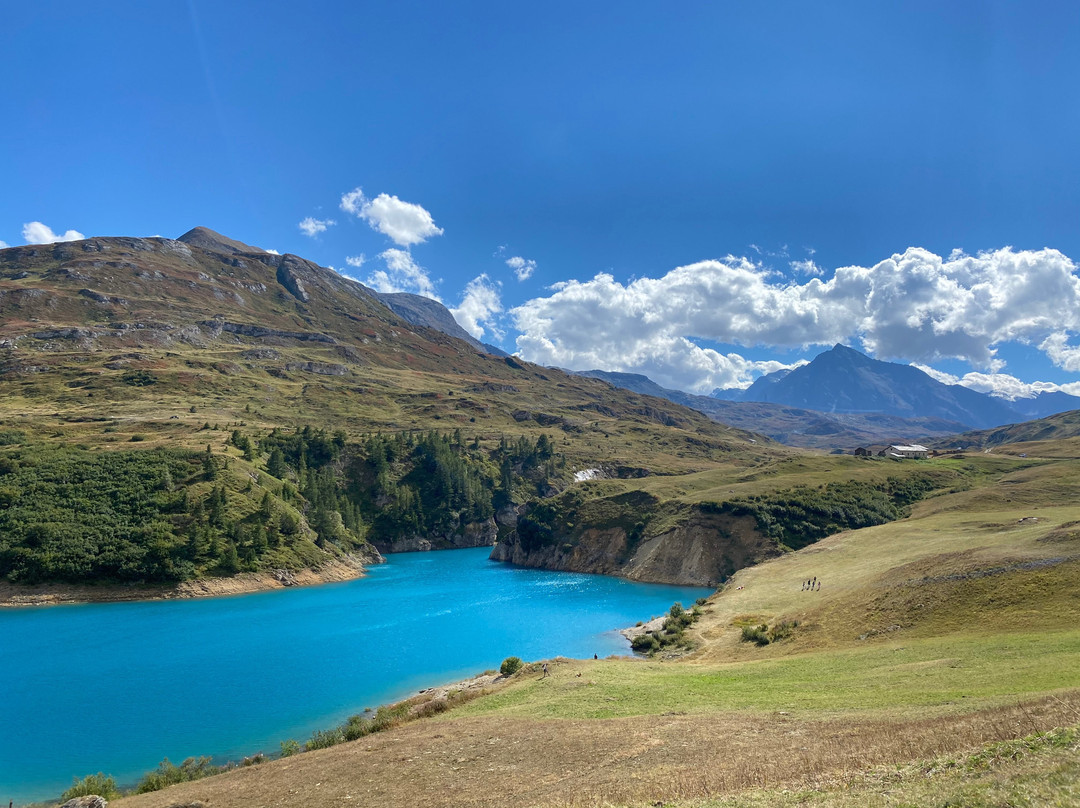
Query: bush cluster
[763,635]
[797,517]
[672,634]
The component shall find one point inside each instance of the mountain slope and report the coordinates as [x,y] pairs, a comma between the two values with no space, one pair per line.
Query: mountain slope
[424,311]
[792,425]
[842,380]
[288,418]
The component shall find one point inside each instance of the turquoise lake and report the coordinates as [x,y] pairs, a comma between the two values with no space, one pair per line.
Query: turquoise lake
[116,687]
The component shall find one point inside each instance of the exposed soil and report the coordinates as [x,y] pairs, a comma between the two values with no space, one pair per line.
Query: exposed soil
[493,761]
[52,594]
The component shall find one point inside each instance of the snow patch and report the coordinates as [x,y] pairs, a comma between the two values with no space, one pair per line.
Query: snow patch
[587,474]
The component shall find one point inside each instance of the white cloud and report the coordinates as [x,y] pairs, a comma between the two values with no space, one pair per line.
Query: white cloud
[1065,356]
[405,223]
[356,261]
[402,274]
[353,201]
[38,233]
[807,267]
[523,267]
[312,227]
[479,305]
[1001,385]
[272,252]
[911,306]
[3,245]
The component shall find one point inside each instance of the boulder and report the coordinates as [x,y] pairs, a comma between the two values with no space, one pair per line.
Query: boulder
[89,801]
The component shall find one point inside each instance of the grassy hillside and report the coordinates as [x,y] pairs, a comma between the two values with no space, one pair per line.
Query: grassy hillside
[931,636]
[119,353]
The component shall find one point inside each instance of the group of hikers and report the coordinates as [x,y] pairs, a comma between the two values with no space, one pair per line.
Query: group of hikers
[812,585]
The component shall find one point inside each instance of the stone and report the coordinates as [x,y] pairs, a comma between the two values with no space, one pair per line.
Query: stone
[89,801]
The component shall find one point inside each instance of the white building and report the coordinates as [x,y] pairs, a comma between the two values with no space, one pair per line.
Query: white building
[913,450]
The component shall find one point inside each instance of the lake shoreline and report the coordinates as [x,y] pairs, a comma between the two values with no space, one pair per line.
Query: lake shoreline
[16,596]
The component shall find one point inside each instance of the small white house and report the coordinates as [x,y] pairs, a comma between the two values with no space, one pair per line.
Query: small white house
[914,451]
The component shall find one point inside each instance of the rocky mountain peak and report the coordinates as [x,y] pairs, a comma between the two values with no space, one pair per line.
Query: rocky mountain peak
[207,239]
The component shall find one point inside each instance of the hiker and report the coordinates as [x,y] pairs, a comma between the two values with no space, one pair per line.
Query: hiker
[545,671]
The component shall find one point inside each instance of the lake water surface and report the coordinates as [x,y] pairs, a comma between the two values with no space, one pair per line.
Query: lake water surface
[116,687]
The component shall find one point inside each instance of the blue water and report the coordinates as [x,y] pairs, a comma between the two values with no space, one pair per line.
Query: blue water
[116,687]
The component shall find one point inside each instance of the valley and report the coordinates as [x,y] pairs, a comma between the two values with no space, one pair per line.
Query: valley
[196,417]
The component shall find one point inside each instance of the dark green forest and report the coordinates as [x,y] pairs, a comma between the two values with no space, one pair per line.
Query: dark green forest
[295,498]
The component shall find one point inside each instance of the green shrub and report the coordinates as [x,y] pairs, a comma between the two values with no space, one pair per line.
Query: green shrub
[759,635]
[169,774]
[324,738]
[92,784]
[290,747]
[510,666]
[647,643]
[763,635]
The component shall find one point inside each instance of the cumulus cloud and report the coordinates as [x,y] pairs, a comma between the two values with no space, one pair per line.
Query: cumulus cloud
[312,226]
[1001,385]
[405,223]
[912,306]
[480,304]
[807,267]
[356,261]
[272,252]
[3,244]
[38,233]
[523,267]
[1065,356]
[402,274]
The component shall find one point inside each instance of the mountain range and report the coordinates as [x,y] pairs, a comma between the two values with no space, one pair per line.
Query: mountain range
[843,380]
[844,399]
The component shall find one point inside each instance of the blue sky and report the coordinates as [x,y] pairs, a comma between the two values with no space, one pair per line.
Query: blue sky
[679,187]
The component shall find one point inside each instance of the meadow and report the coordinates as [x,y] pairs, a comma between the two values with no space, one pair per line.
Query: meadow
[933,664]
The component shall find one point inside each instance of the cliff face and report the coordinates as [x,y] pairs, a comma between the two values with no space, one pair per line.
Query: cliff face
[474,534]
[702,550]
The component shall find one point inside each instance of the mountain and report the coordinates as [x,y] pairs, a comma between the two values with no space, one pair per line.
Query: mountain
[175,411]
[1045,404]
[1062,429]
[792,425]
[843,380]
[424,311]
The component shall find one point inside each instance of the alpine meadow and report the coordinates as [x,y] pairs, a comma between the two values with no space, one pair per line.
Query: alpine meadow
[626,406]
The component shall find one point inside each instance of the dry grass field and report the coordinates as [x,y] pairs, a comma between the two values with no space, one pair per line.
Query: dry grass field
[929,638]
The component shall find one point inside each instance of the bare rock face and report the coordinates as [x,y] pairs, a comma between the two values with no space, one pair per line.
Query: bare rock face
[473,534]
[288,277]
[90,801]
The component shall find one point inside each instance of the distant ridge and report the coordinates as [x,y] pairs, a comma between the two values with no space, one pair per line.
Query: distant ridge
[843,380]
[424,311]
[792,425]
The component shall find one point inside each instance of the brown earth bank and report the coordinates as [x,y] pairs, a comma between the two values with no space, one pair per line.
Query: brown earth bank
[647,760]
[704,550]
[336,570]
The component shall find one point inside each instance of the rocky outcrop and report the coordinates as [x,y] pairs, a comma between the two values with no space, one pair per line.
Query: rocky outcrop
[319,368]
[216,327]
[90,801]
[287,276]
[703,550]
[473,534]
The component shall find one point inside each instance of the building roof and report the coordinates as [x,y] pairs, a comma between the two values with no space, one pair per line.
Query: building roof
[911,448]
